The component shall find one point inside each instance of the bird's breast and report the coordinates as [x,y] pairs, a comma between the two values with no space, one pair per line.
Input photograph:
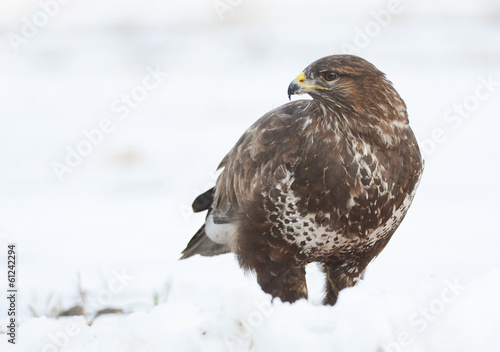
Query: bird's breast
[339,200]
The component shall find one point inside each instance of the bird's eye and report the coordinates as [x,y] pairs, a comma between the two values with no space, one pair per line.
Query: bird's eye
[329,76]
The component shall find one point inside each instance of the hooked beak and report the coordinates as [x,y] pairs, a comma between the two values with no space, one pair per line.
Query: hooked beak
[301,85]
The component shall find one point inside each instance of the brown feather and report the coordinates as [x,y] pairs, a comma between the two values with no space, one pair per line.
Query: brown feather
[327,180]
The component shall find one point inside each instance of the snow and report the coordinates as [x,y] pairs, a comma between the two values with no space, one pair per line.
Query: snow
[244,318]
[117,223]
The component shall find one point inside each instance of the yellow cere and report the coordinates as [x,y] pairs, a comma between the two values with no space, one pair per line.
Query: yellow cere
[301,79]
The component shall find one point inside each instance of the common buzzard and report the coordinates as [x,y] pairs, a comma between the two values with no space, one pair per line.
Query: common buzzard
[325,180]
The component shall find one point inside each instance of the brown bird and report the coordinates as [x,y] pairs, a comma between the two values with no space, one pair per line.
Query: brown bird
[325,180]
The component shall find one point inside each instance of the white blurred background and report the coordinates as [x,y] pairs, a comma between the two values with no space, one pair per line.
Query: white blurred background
[66,67]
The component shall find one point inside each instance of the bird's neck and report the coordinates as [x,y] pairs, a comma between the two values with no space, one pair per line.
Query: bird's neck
[386,125]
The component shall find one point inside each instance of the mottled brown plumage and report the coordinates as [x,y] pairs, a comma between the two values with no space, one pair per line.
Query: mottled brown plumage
[324,180]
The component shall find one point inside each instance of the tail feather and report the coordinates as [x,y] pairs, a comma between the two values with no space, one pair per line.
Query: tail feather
[204,201]
[202,245]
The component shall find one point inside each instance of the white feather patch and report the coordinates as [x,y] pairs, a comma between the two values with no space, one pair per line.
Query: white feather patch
[219,233]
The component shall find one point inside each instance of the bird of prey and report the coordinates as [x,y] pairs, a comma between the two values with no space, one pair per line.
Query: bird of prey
[325,180]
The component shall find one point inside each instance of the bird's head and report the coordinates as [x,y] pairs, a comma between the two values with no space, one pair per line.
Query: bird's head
[339,78]
[349,88]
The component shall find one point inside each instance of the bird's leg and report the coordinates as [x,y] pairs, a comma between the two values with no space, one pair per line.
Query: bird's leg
[288,284]
[338,277]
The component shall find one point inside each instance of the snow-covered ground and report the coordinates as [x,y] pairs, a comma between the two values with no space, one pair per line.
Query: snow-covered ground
[114,221]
